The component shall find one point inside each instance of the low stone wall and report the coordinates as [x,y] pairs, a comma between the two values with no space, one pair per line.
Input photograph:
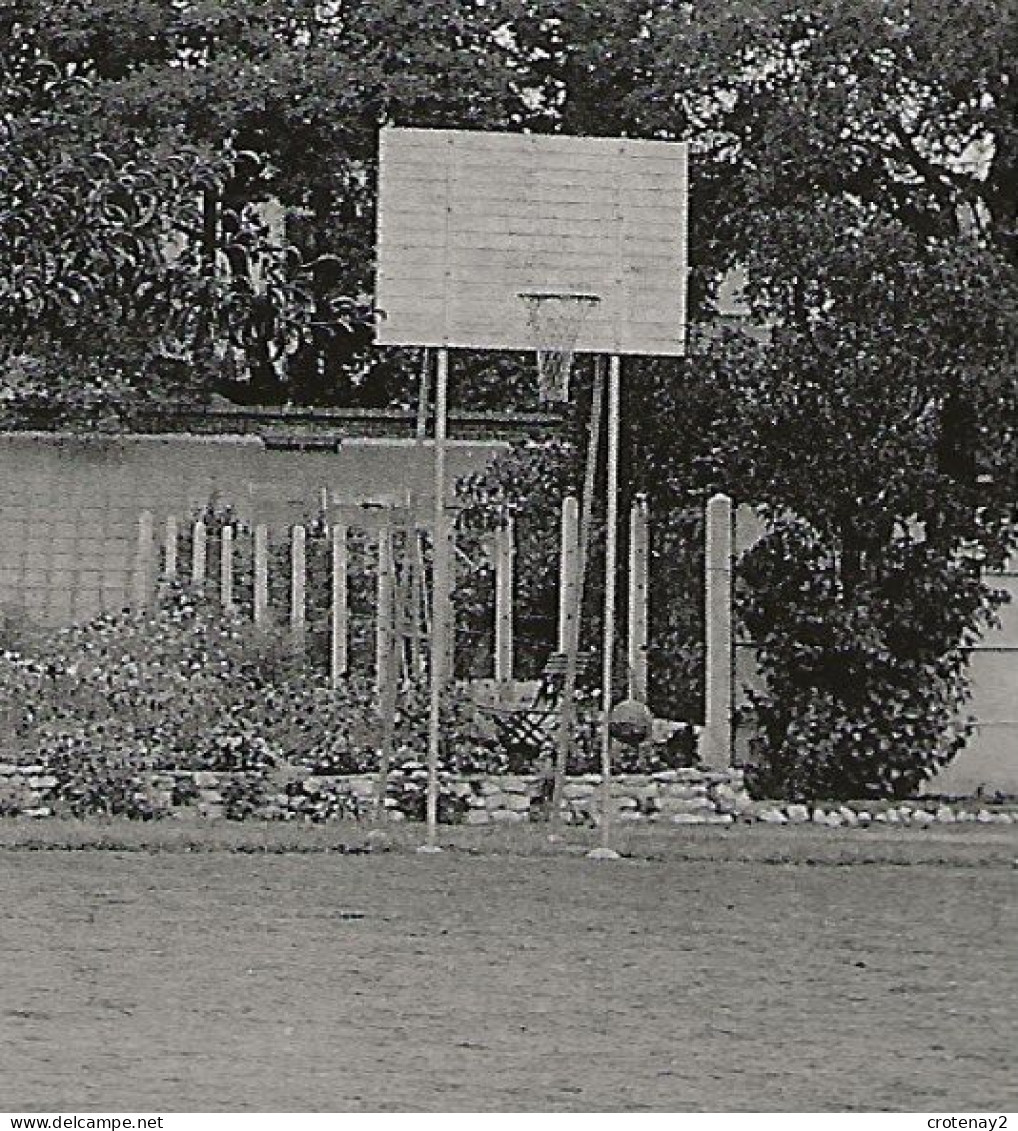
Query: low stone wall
[678,797]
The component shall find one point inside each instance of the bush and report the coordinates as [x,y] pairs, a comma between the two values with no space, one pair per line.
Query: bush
[864,681]
[189,687]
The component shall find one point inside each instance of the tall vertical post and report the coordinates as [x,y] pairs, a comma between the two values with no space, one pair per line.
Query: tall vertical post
[298,585]
[504,555]
[338,658]
[441,604]
[385,599]
[610,562]
[386,660]
[567,708]
[170,550]
[639,556]
[261,574]
[199,552]
[143,555]
[417,611]
[717,734]
[569,553]
[226,567]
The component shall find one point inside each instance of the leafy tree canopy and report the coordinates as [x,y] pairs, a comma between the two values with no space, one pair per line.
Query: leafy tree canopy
[908,107]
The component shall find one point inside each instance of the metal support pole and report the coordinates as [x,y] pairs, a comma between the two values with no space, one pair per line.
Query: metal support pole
[441,604]
[387,676]
[569,553]
[610,562]
[567,712]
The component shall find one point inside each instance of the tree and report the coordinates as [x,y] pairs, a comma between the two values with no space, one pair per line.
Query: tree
[302,88]
[908,105]
[857,162]
[113,294]
[867,591]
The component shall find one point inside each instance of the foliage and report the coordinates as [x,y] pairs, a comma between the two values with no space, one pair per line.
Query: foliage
[863,683]
[883,416]
[190,688]
[528,485]
[907,107]
[466,746]
[857,163]
[133,274]
[215,112]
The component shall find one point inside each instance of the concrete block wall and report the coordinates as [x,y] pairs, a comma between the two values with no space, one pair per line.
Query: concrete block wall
[990,761]
[70,505]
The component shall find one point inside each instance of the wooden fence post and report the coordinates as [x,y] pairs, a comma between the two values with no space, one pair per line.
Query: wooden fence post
[338,651]
[199,552]
[261,574]
[170,548]
[504,554]
[639,553]
[385,609]
[298,584]
[226,567]
[143,560]
[418,604]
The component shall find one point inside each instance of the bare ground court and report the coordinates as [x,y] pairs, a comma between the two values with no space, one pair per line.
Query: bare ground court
[763,970]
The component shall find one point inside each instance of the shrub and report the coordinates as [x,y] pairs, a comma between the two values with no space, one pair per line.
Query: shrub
[188,686]
[864,683]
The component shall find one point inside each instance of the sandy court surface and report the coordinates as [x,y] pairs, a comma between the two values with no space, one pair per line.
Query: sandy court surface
[220,981]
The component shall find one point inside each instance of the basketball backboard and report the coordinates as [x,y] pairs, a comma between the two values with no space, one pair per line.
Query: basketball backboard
[472,225]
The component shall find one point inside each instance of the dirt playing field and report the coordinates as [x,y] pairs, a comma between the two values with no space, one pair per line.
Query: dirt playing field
[706,973]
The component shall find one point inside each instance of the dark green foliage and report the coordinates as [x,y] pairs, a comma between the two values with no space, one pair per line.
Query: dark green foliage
[843,160]
[125,125]
[864,687]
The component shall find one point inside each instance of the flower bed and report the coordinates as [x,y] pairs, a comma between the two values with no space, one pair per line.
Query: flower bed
[186,708]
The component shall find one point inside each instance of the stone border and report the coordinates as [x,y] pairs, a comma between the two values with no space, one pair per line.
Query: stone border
[678,797]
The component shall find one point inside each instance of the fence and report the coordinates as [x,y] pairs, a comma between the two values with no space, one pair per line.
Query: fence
[398,557]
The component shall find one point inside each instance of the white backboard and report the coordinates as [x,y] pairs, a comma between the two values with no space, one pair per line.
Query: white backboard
[469,221]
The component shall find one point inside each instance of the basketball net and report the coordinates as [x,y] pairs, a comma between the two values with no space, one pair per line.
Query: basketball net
[555,321]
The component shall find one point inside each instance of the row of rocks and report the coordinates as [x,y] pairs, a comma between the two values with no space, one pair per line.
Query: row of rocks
[681,797]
